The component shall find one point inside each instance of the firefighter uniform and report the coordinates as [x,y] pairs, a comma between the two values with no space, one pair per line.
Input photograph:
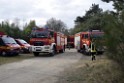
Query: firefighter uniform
[93,51]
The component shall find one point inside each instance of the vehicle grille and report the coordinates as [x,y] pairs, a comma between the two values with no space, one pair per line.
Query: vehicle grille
[38,43]
[17,49]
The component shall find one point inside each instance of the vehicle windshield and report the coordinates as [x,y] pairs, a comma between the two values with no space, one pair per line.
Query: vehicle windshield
[9,40]
[22,41]
[97,35]
[39,34]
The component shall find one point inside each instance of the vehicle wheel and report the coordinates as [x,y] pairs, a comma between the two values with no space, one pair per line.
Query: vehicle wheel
[0,53]
[88,53]
[17,54]
[36,54]
[78,50]
[3,53]
[85,52]
[53,53]
[62,51]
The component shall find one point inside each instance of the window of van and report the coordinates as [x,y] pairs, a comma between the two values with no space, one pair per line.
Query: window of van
[9,40]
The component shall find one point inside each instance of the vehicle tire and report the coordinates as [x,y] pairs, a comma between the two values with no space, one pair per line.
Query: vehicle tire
[84,50]
[53,53]
[78,50]
[0,53]
[36,54]
[86,53]
[16,54]
[64,48]
[62,51]
[3,53]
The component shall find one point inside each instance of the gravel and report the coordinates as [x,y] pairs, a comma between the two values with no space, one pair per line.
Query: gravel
[42,69]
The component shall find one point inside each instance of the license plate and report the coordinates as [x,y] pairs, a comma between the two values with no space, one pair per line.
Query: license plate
[38,49]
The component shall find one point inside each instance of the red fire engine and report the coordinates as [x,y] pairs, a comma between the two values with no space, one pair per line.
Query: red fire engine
[46,41]
[70,41]
[83,41]
[8,45]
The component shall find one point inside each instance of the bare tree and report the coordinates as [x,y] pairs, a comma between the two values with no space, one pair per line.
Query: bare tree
[56,25]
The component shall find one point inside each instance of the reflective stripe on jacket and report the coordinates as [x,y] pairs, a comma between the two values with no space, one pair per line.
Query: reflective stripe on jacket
[93,49]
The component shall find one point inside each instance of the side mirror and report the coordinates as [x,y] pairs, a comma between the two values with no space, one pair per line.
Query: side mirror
[51,34]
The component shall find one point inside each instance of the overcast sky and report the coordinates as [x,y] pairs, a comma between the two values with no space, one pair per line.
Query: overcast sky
[43,10]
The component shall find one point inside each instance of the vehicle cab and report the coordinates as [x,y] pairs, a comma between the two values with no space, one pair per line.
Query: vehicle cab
[8,46]
[83,41]
[24,45]
[70,41]
[95,37]
[42,41]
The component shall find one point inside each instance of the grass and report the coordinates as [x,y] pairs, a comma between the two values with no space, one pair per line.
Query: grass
[99,71]
[10,59]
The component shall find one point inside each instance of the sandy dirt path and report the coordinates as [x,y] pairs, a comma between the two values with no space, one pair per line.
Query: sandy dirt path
[39,69]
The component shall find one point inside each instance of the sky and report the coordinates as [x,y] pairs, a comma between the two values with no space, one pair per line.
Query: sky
[42,10]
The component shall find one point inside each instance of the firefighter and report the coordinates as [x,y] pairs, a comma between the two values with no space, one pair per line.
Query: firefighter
[93,51]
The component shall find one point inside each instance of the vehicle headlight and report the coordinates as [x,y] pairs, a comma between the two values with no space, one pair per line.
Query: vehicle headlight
[26,47]
[8,48]
[47,47]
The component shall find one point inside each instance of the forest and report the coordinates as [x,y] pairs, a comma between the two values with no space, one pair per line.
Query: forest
[111,22]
